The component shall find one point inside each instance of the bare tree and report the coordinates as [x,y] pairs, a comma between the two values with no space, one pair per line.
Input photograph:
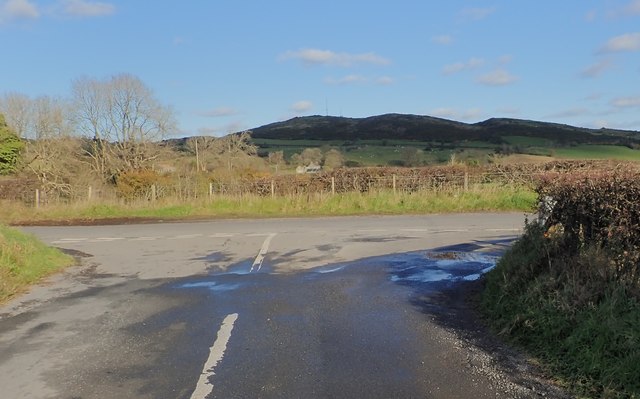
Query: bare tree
[204,148]
[124,121]
[235,147]
[16,108]
[333,159]
[276,159]
[51,118]
[308,156]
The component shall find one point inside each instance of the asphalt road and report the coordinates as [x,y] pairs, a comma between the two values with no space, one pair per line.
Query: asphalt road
[287,308]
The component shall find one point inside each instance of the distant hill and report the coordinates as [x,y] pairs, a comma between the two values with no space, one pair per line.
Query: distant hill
[427,128]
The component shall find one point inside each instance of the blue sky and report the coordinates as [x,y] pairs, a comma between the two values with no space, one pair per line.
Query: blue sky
[228,65]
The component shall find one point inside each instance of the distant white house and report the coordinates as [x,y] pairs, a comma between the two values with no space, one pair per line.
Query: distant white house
[311,168]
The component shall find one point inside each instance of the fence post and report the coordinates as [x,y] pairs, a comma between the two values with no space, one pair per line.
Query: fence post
[210,190]
[153,193]
[273,189]
[394,183]
[333,185]
[466,181]
[37,198]
[89,193]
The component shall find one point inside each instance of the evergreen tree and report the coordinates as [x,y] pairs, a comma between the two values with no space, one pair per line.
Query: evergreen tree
[10,147]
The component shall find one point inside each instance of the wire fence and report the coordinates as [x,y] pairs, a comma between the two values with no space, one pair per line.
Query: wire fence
[189,189]
[184,188]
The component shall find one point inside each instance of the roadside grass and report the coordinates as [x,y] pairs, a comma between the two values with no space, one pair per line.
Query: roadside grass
[476,198]
[578,321]
[25,260]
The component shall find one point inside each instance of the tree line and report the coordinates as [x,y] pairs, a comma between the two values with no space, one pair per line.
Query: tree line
[113,127]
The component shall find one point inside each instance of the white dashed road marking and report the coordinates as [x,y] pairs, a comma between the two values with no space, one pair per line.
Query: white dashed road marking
[185,236]
[216,353]
[257,263]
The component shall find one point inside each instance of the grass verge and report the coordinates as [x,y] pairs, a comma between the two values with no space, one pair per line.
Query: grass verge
[570,313]
[25,260]
[481,198]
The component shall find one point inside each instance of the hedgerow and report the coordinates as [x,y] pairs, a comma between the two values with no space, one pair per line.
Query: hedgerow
[568,289]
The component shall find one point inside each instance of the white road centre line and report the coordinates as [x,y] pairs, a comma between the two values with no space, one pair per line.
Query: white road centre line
[107,239]
[185,236]
[68,241]
[144,238]
[257,263]
[216,353]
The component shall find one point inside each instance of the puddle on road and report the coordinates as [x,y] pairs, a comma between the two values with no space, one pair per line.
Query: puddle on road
[436,269]
[440,267]
[211,286]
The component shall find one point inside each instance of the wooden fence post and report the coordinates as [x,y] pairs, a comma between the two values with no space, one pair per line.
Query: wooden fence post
[394,183]
[153,193]
[37,198]
[89,193]
[210,190]
[333,185]
[273,189]
[466,181]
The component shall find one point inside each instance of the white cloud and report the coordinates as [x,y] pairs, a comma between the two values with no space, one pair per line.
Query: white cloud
[301,106]
[477,13]
[498,77]
[472,63]
[633,8]
[84,8]
[630,9]
[594,96]
[346,80]
[626,42]
[442,39]
[18,9]
[626,102]
[385,80]
[596,69]
[178,41]
[505,59]
[328,57]
[219,112]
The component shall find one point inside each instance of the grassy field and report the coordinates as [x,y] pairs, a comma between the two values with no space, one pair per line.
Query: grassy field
[390,152]
[619,153]
[24,260]
[479,198]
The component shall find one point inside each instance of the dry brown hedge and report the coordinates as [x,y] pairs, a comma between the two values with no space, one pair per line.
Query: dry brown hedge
[598,208]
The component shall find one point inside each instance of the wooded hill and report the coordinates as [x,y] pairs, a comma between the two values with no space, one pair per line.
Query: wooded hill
[427,128]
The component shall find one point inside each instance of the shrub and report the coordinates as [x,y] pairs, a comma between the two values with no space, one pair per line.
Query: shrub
[139,184]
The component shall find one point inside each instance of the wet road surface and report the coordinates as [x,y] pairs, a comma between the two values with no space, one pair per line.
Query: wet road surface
[317,308]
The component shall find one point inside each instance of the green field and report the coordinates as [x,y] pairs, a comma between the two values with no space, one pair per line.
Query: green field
[393,152]
[619,153]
